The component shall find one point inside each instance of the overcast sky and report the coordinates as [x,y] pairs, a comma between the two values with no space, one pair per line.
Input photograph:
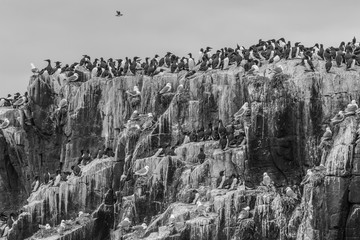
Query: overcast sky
[34,30]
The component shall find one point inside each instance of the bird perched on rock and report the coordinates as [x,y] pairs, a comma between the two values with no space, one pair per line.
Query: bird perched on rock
[165,89]
[242,111]
[5,123]
[290,193]
[221,180]
[73,78]
[141,227]
[124,224]
[34,69]
[201,156]
[233,184]
[222,129]
[244,214]
[201,209]
[21,101]
[62,227]
[142,172]
[328,65]
[135,115]
[223,142]
[327,134]
[278,70]
[307,178]
[63,104]
[338,118]
[135,92]
[197,195]
[266,180]
[149,122]
[351,108]
[309,66]
[215,134]
[46,227]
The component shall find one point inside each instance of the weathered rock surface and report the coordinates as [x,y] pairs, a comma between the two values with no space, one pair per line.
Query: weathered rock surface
[282,137]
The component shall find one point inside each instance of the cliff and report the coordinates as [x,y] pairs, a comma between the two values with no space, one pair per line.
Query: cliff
[282,135]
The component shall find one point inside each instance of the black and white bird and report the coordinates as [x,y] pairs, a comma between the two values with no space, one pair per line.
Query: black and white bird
[142,172]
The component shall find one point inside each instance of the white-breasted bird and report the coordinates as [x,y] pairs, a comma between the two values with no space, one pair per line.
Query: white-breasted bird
[142,172]
[244,213]
[5,123]
[327,134]
[307,178]
[124,224]
[34,69]
[290,193]
[266,179]
[166,89]
[244,109]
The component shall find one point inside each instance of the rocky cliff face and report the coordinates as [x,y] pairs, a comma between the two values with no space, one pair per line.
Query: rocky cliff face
[282,135]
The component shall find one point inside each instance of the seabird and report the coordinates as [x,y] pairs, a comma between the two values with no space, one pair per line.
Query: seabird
[21,101]
[244,213]
[142,172]
[338,118]
[266,179]
[327,134]
[61,228]
[165,89]
[290,193]
[125,224]
[5,123]
[223,177]
[233,184]
[118,14]
[243,110]
[201,156]
[34,69]
[135,92]
[73,78]
[328,65]
[307,178]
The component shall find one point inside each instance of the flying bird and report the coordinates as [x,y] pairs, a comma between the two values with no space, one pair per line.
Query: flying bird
[118,14]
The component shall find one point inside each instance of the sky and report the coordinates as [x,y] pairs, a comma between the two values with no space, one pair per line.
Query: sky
[31,31]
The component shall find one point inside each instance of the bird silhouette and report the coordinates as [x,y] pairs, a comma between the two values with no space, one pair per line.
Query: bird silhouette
[118,14]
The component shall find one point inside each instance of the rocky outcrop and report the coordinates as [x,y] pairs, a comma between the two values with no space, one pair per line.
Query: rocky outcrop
[282,135]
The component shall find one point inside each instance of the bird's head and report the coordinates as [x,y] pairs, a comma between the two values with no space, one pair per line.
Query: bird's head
[47,60]
[62,221]
[150,115]
[353,102]
[156,56]
[265,174]
[144,225]
[126,219]
[247,208]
